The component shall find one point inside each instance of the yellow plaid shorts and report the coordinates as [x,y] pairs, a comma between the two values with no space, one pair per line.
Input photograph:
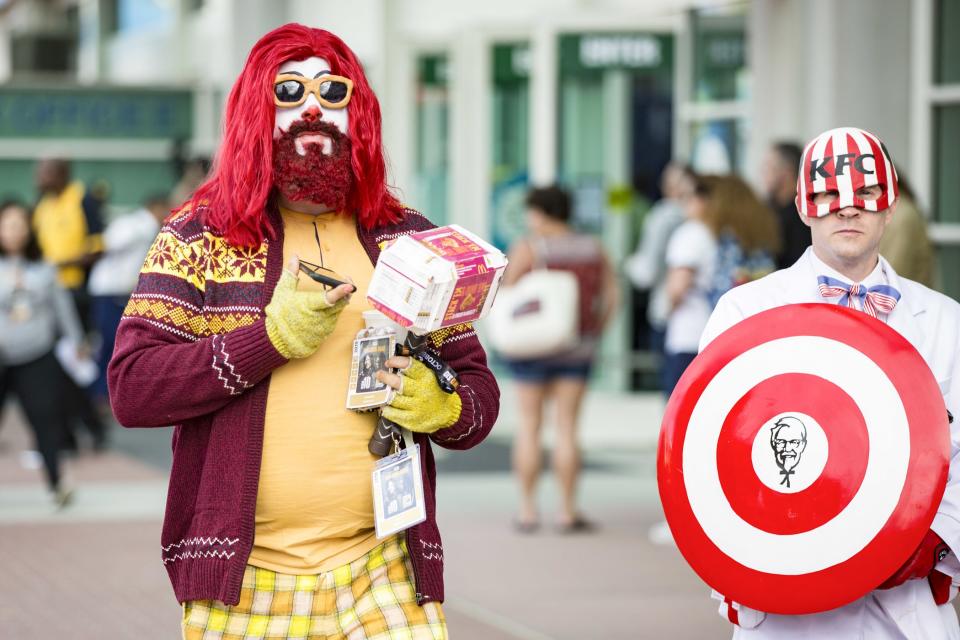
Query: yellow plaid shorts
[371,598]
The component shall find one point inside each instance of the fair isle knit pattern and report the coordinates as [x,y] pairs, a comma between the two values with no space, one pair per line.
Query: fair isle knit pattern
[192,351]
[201,256]
[180,317]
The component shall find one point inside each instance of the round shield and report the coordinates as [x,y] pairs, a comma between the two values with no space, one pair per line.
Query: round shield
[802,458]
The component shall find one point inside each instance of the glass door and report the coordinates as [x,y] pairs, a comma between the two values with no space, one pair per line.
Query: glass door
[615,129]
[511,141]
[433,138]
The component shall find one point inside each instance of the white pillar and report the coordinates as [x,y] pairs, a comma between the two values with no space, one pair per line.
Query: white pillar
[778,57]
[617,145]
[543,106]
[397,102]
[470,131]
[6,48]
[249,20]
[91,42]
[818,64]
[921,160]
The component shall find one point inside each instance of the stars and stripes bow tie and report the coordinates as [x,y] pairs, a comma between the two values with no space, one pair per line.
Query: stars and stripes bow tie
[873,300]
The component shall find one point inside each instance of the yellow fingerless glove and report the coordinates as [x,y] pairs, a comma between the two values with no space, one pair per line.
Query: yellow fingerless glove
[298,321]
[421,405]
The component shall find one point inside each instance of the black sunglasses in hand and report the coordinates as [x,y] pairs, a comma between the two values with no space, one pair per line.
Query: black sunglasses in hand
[319,274]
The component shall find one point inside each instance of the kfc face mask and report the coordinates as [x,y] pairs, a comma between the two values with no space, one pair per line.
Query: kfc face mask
[844,160]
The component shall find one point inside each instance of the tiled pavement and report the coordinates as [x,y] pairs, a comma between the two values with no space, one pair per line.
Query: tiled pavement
[93,570]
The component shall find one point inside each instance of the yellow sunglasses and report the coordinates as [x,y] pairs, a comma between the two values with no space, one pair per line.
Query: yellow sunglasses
[291,90]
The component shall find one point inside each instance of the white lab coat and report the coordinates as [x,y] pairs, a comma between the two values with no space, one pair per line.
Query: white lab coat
[931,322]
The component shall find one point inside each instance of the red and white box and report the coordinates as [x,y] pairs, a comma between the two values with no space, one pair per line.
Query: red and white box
[437,278]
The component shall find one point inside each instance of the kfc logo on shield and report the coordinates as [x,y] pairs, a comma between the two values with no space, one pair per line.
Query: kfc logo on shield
[788,439]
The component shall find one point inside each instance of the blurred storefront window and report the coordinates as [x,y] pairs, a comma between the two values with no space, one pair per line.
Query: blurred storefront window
[945,132]
[620,83]
[947,23]
[947,163]
[46,44]
[715,109]
[433,135]
[720,60]
[948,265]
[136,15]
[717,145]
[511,140]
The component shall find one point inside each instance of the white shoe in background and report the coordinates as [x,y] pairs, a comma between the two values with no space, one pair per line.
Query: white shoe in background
[62,497]
[660,535]
[31,459]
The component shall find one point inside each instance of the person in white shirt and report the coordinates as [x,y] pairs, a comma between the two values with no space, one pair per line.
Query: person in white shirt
[691,260]
[646,267]
[846,194]
[126,242]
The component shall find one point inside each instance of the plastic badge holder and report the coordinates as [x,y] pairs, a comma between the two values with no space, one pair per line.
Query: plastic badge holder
[371,349]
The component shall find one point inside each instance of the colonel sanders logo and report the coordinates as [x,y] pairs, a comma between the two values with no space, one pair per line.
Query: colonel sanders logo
[788,439]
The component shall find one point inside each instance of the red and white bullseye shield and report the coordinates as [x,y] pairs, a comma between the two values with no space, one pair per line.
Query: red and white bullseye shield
[802,458]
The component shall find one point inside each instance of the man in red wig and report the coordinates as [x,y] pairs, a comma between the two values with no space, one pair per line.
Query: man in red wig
[269,527]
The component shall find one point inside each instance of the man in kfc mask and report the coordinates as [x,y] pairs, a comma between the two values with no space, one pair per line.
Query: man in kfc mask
[269,528]
[846,194]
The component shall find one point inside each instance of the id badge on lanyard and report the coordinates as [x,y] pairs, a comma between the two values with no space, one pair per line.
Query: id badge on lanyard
[398,501]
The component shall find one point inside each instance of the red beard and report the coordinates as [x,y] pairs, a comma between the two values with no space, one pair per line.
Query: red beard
[314,177]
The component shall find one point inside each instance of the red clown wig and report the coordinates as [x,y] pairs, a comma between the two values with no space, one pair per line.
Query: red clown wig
[241,182]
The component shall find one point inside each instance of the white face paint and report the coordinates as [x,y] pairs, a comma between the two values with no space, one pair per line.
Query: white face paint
[285,116]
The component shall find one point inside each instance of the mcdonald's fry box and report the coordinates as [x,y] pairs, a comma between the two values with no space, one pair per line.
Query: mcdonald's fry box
[436,278]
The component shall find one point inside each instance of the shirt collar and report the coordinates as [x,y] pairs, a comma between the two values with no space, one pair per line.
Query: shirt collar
[877,276]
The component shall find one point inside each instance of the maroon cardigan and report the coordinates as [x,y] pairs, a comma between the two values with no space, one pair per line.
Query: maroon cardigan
[192,351]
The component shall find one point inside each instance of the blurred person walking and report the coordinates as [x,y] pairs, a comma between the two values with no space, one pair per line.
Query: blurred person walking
[68,224]
[113,278]
[33,309]
[691,265]
[747,232]
[779,177]
[561,377]
[906,244]
[646,268]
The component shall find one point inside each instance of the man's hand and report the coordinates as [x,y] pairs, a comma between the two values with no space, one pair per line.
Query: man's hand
[420,404]
[298,321]
[921,564]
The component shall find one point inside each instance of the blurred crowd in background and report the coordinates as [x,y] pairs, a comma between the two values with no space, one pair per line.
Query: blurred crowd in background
[65,278]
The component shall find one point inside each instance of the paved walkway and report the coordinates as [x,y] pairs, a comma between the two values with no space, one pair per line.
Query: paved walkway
[93,570]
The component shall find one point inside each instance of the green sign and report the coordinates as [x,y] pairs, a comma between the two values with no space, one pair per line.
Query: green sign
[432,70]
[724,50]
[511,63]
[589,52]
[94,113]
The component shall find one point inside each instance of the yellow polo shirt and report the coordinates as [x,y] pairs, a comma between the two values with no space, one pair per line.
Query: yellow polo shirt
[62,232]
[315,501]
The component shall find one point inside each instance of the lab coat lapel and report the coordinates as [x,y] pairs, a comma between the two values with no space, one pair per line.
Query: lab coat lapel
[904,317]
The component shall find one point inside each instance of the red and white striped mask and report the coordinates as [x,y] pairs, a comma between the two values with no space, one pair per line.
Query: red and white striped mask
[844,160]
